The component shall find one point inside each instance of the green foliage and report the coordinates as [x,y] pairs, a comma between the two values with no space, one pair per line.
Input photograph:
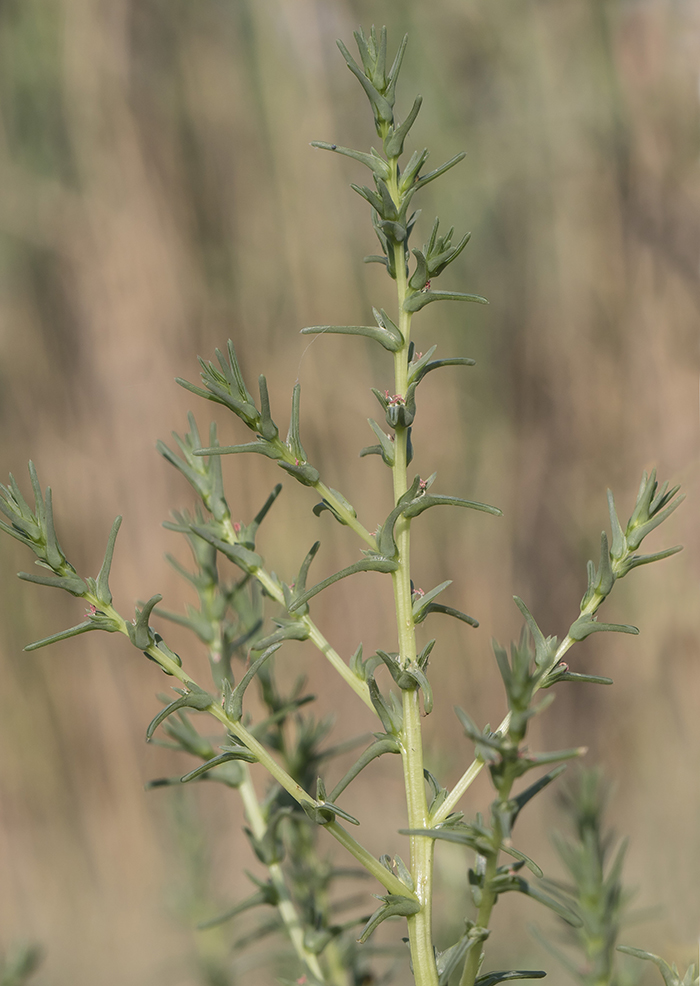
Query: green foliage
[669,973]
[594,889]
[20,964]
[288,825]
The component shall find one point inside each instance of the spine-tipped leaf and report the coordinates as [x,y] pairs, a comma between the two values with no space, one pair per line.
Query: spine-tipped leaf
[415,302]
[103,591]
[383,565]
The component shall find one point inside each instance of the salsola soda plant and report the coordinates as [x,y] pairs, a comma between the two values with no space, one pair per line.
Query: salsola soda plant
[291,817]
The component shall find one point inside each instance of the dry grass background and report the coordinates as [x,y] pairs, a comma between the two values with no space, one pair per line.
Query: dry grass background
[158,196]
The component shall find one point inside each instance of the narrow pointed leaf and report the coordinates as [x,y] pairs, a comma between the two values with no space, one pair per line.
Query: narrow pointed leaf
[103,591]
[395,69]
[269,449]
[39,508]
[262,513]
[54,555]
[393,144]
[71,583]
[387,744]
[429,500]
[420,275]
[140,633]
[365,565]
[234,700]
[390,717]
[268,428]
[196,698]
[521,857]
[246,559]
[300,583]
[670,974]
[369,196]
[386,339]
[303,472]
[17,534]
[502,977]
[636,560]
[375,164]
[423,601]
[325,813]
[380,105]
[591,679]
[238,754]
[585,625]
[636,535]
[542,645]
[386,445]
[393,906]
[438,363]
[290,631]
[523,887]
[447,611]
[293,436]
[432,175]
[64,635]
[522,799]
[415,302]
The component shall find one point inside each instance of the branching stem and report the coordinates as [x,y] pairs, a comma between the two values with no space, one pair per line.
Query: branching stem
[285,904]
[422,847]
[273,589]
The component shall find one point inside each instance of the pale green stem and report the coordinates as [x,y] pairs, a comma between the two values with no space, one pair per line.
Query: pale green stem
[258,826]
[285,905]
[274,590]
[372,865]
[327,493]
[473,963]
[474,769]
[421,847]
[317,638]
[387,879]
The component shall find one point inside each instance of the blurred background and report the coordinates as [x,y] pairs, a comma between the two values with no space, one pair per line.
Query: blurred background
[158,196]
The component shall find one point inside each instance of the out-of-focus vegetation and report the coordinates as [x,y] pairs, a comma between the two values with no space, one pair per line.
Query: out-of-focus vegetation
[157,195]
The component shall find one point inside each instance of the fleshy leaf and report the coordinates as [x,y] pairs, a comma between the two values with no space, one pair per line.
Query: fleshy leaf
[393,144]
[587,624]
[385,744]
[447,611]
[364,565]
[103,591]
[63,635]
[387,339]
[288,631]
[491,978]
[414,302]
[429,500]
[239,753]
[393,906]
[375,163]
[140,633]
[70,583]
[325,813]
[233,698]
[432,175]
[670,973]
[194,698]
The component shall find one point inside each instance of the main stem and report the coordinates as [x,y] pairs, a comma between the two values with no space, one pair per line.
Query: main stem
[421,847]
